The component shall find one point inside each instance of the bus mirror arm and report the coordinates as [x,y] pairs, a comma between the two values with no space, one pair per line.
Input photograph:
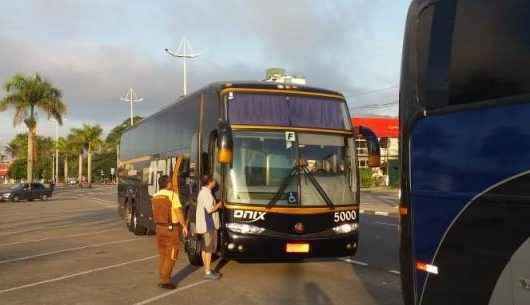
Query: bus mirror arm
[374,150]
[225,142]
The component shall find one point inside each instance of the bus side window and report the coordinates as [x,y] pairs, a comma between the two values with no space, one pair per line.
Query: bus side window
[183,176]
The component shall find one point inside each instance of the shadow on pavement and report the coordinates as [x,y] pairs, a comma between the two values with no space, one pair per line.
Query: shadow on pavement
[220,265]
[384,287]
[315,295]
[183,274]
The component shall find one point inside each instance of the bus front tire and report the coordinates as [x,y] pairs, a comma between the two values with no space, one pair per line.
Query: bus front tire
[194,259]
[192,247]
[133,222]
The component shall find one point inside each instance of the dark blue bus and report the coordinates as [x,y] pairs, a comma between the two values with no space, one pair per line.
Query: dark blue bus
[465,147]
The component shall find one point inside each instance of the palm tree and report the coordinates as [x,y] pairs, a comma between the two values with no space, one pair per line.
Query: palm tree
[28,95]
[90,136]
[68,148]
[76,140]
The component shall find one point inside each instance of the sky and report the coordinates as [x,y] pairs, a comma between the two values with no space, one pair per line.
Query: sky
[95,50]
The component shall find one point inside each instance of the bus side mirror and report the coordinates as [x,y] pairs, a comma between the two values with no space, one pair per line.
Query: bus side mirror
[225,143]
[374,151]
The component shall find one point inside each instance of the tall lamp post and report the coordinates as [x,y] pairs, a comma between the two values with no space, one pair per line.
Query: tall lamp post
[56,159]
[185,52]
[56,178]
[131,98]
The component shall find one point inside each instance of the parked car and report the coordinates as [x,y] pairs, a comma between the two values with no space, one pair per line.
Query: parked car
[25,191]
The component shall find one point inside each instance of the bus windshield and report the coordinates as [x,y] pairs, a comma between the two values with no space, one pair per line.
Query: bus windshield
[264,166]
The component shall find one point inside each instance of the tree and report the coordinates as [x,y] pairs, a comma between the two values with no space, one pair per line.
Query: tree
[68,149]
[114,136]
[17,169]
[90,137]
[76,140]
[28,95]
[18,147]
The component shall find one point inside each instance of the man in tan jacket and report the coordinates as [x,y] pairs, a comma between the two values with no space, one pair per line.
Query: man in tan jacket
[167,215]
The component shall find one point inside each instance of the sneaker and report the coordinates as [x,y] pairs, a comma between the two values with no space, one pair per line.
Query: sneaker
[167,286]
[211,275]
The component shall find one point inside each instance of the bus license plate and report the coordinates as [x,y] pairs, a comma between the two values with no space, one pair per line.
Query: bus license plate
[297,248]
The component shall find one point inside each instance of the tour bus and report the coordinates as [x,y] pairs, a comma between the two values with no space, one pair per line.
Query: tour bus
[465,153]
[284,157]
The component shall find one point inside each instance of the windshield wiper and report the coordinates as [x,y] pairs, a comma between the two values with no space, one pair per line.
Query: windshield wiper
[285,183]
[317,185]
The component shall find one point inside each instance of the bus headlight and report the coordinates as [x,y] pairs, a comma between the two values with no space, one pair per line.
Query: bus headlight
[244,228]
[345,228]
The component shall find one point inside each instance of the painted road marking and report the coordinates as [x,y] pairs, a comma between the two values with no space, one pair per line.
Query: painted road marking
[59,216]
[33,229]
[106,202]
[381,213]
[58,237]
[172,292]
[18,259]
[69,276]
[387,224]
[51,214]
[355,262]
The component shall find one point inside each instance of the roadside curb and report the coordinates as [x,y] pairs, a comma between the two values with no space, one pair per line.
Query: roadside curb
[379,213]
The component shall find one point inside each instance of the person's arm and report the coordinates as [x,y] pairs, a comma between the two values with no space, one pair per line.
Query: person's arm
[177,210]
[215,207]
[180,216]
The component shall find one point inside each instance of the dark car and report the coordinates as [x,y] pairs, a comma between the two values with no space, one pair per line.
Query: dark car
[25,191]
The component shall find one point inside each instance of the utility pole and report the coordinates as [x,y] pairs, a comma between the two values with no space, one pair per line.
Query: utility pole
[131,97]
[185,52]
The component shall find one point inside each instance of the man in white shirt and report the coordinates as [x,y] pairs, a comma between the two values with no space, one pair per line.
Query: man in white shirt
[207,223]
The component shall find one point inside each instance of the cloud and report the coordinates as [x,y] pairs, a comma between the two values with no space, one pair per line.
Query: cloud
[94,51]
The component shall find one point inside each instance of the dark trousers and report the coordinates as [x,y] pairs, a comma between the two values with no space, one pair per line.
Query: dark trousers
[167,243]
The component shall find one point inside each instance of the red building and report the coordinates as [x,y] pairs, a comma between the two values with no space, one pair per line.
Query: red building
[4,168]
[383,127]
[387,130]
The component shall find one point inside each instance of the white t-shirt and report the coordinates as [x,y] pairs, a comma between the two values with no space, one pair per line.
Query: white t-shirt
[205,201]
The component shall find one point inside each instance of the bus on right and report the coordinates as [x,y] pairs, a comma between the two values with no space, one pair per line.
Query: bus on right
[465,153]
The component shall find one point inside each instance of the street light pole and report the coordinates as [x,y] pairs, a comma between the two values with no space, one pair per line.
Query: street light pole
[182,52]
[131,97]
[53,167]
[56,178]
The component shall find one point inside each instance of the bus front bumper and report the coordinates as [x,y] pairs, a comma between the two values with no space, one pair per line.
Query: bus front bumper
[247,246]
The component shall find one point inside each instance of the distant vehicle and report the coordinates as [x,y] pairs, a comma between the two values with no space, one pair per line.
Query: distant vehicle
[465,137]
[72,181]
[25,191]
[284,158]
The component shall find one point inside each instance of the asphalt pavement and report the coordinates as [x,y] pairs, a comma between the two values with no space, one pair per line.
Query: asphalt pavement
[74,249]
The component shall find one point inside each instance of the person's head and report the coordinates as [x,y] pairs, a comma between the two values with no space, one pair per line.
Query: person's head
[208,181]
[163,181]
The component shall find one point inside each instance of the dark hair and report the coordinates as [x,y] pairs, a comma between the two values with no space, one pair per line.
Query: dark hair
[206,179]
[163,181]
